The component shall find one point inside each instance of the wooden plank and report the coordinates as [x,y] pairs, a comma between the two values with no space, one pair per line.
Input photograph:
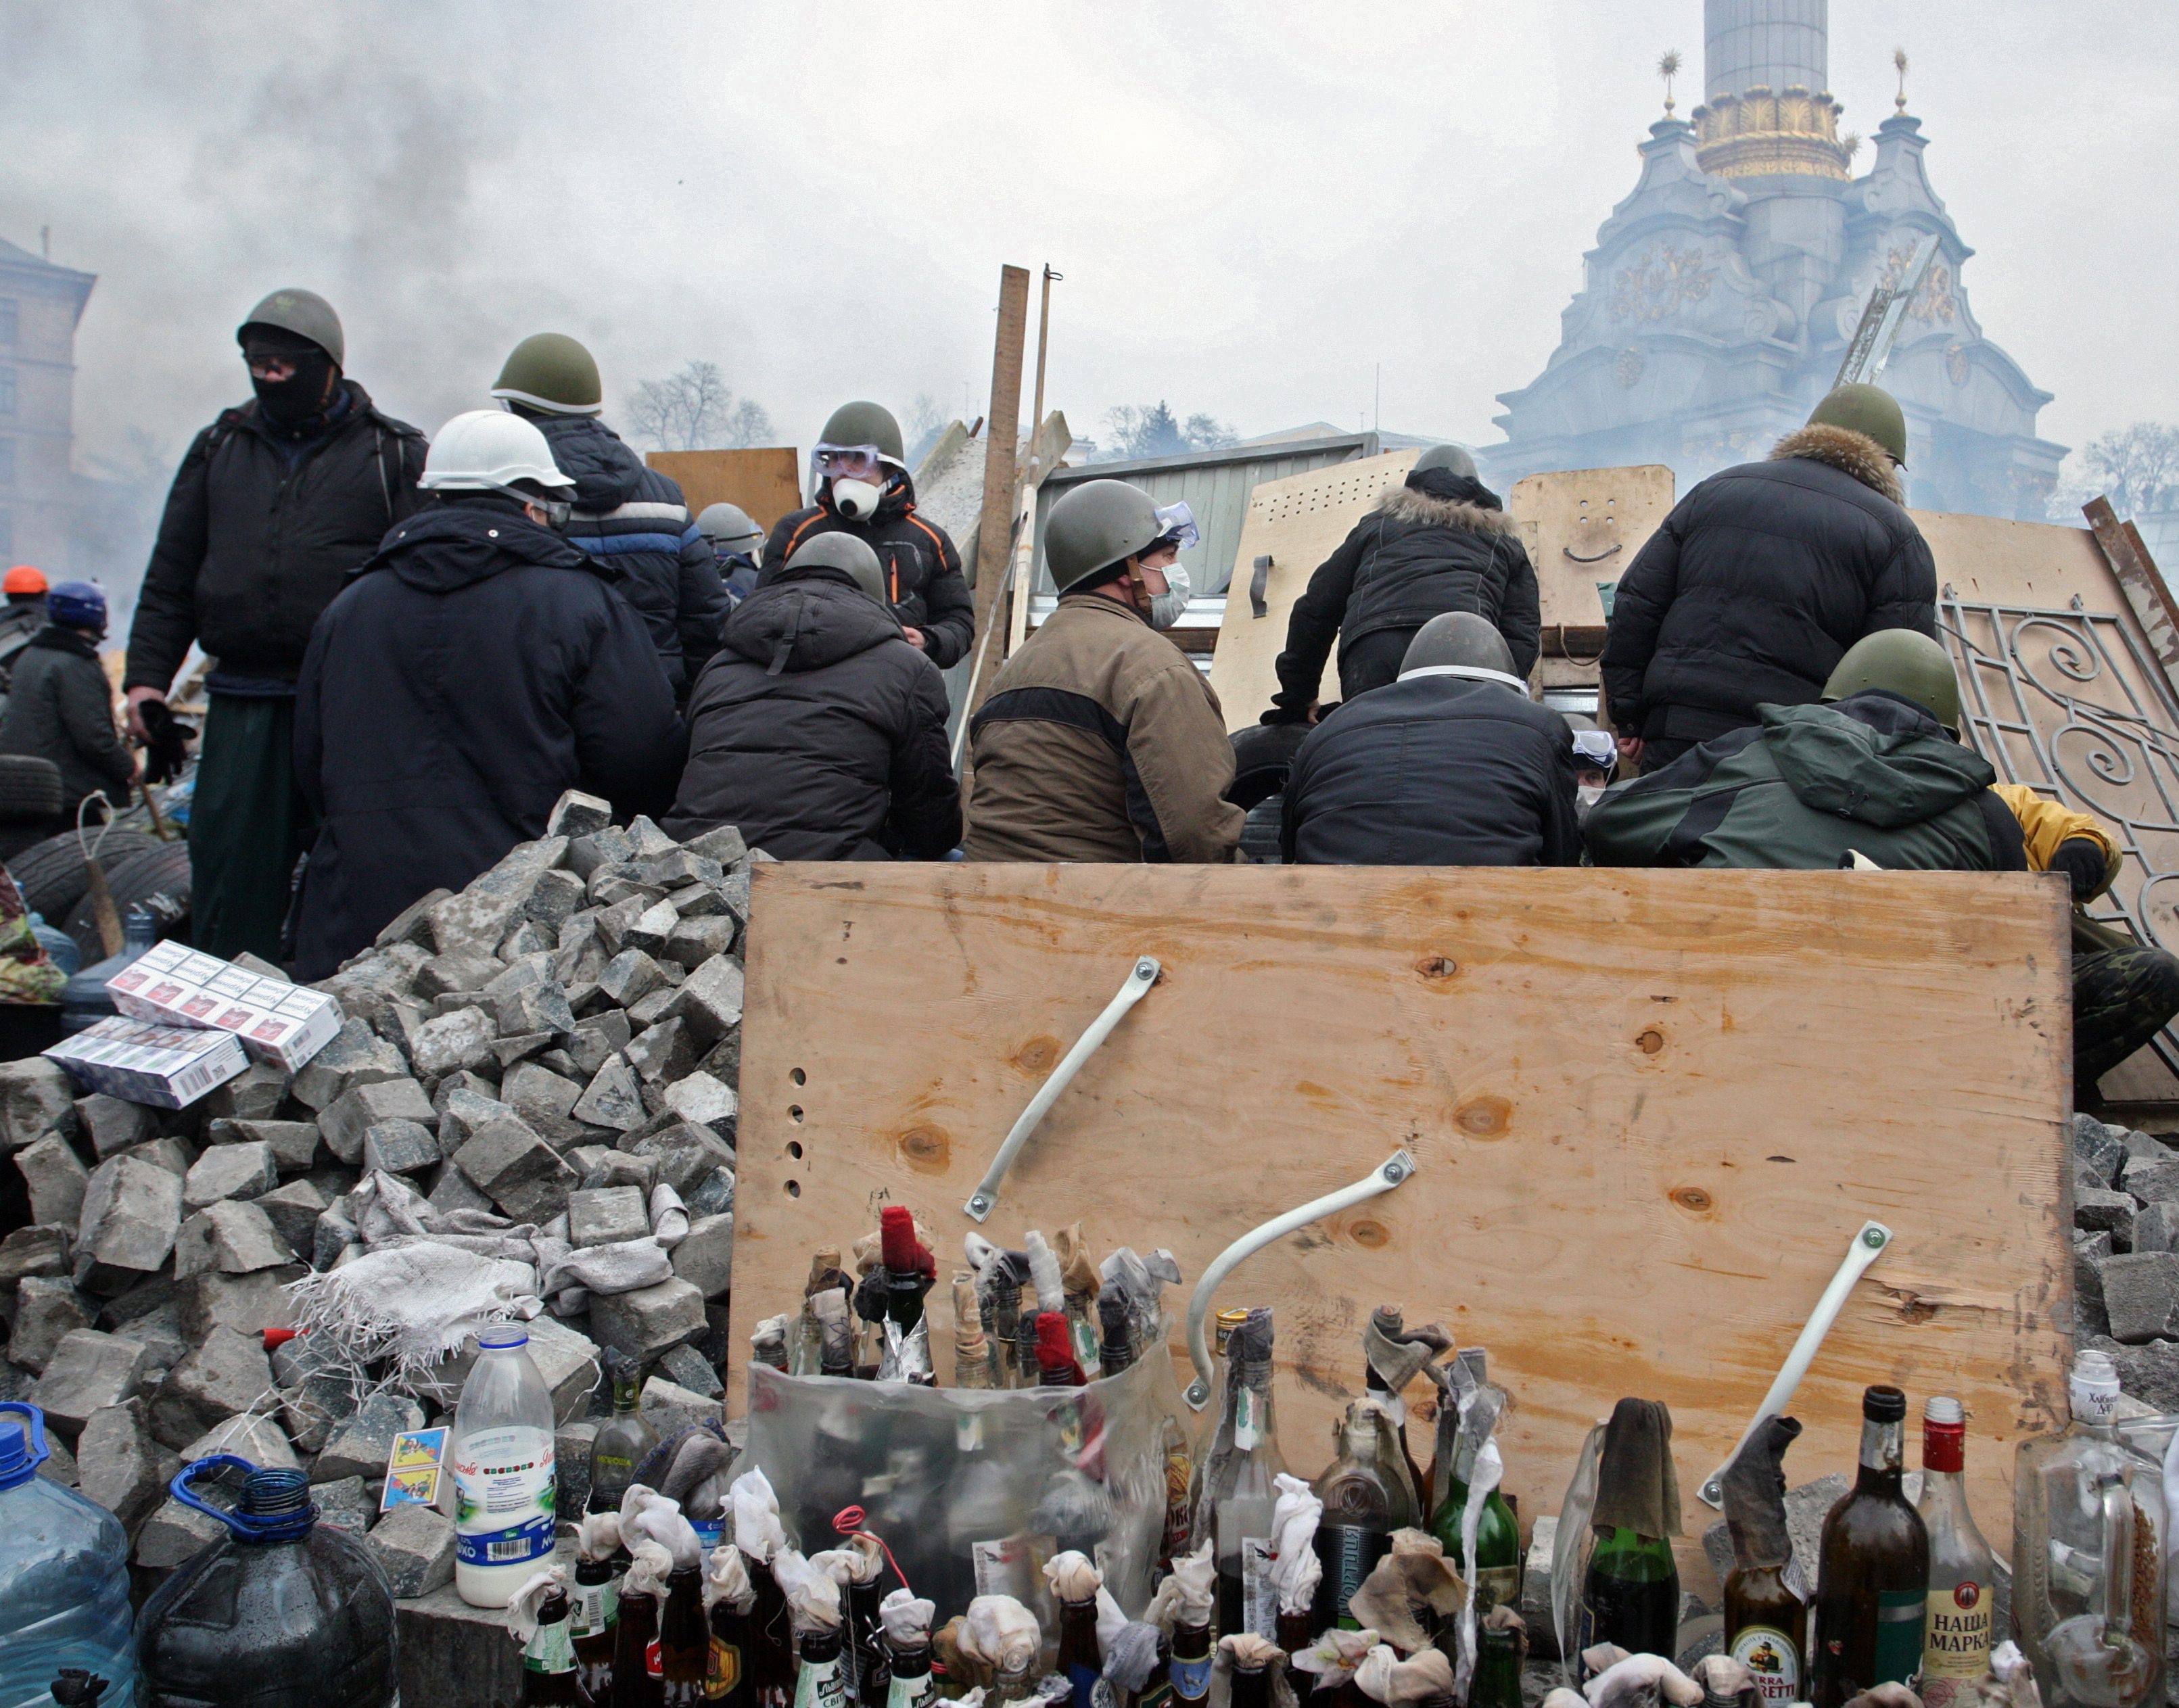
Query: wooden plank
[1581,527]
[1650,1109]
[765,481]
[1001,431]
[2139,579]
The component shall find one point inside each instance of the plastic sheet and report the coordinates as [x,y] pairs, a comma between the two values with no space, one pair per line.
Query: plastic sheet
[975,1490]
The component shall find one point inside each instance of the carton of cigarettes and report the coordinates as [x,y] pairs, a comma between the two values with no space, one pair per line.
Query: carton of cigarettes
[142,1062]
[277,1022]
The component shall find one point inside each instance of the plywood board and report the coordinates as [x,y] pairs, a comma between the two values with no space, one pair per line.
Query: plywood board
[1297,523]
[1650,1110]
[1583,527]
[766,481]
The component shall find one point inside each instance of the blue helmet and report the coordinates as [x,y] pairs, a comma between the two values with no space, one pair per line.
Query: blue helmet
[77,604]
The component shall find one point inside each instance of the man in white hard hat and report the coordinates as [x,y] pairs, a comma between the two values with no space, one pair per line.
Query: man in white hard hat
[475,668]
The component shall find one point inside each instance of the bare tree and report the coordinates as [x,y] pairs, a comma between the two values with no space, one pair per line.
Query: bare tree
[2137,467]
[925,422]
[1145,430]
[693,410]
[748,423]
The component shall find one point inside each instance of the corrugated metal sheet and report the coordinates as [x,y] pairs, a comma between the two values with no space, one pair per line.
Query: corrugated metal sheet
[1216,485]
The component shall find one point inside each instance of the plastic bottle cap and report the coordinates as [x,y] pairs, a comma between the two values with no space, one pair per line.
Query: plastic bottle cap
[14,1453]
[1943,1408]
[502,1338]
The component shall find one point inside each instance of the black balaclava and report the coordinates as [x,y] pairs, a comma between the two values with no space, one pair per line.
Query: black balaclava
[306,392]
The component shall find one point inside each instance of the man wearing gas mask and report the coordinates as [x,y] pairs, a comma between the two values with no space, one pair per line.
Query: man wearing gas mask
[273,504]
[1102,741]
[861,486]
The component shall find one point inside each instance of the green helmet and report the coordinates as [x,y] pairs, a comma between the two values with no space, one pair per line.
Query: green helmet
[306,314]
[552,372]
[1095,527]
[1452,457]
[1869,410]
[1902,662]
[839,550]
[865,423]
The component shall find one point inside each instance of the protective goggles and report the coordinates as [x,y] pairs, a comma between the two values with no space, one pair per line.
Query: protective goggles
[1177,526]
[847,463]
[1595,749]
[556,509]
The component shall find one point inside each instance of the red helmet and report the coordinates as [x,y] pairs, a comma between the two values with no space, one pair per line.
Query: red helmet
[23,578]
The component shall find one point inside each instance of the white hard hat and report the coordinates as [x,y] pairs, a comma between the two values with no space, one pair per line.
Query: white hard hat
[488,450]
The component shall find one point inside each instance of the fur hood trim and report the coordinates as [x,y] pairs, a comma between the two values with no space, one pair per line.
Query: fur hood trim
[1406,504]
[1850,453]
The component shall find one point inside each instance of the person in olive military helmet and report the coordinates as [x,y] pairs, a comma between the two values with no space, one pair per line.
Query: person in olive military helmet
[628,515]
[1440,541]
[859,484]
[1754,587]
[1101,741]
[273,504]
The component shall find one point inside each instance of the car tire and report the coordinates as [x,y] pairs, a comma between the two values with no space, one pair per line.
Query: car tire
[161,869]
[51,873]
[30,790]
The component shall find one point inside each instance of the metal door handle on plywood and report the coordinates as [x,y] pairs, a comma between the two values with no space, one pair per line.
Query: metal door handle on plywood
[985,1197]
[1259,582]
[1398,1167]
[1873,1239]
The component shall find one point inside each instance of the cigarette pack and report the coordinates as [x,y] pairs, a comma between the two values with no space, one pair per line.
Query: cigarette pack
[142,1062]
[277,1022]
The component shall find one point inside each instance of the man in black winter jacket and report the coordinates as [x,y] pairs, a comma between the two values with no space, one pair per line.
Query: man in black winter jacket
[1762,576]
[474,669]
[273,506]
[817,729]
[862,488]
[627,513]
[60,706]
[1441,542]
[1452,765]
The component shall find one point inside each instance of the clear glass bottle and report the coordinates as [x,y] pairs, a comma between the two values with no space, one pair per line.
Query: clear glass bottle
[2089,1539]
[1366,1497]
[1874,1585]
[1235,1493]
[972,1348]
[622,1439]
[505,1510]
[1957,1639]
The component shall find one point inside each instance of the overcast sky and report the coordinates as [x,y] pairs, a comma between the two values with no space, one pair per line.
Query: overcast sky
[1254,205]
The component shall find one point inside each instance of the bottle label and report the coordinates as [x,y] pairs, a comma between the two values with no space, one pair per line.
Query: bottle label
[1349,1553]
[503,1507]
[1768,1653]
[1899,1616]
[722,1670]
[551,1650]
[906,1693]
[1085,1680]
[594,1609]
[1248,1427]
[1259,1595]
[820,1685]
[1179,1473]
[684,1693]
[1006,1567]
[1955,1643]
[1497,1586]
[1191,1679]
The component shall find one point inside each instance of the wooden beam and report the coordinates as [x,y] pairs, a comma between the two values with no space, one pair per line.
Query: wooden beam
[2140,580]
[1002,429]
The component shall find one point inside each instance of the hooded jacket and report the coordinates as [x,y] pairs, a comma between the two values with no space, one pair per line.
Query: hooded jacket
[1441,543]
[1434,769]
[60,707]
[1100,741]
[262,525]
[1756,584]
[819,732]
[923,569]
[629,515]
[475,668]
[1873,775]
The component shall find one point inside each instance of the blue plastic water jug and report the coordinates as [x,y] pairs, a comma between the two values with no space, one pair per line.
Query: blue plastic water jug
[63,1582]
[281,1612]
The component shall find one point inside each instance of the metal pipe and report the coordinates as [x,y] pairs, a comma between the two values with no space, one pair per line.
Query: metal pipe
[985,1198]
[1399,1166]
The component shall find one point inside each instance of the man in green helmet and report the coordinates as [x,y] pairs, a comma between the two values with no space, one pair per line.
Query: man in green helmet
[1101,741]
[859,484]
[1762,576]
[273,506]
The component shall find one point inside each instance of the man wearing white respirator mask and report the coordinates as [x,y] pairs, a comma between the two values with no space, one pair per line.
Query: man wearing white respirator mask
[860,486]
[1178,521]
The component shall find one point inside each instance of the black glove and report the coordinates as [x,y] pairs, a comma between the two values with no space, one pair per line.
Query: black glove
[2083,864]
[1285,714]
[168,750]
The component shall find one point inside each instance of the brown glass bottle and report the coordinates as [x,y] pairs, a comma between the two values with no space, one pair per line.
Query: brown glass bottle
[1766,1630]
[1189,1669]
[596,1614]
[726,1676]
[770,1654]
[548,1659]
[633,1685]
[1876,1573]
[864,1650]
[1251,1687]
[1079,1662]
[684,1641]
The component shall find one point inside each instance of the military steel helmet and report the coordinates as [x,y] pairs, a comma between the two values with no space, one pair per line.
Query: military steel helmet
[1903,662]
[303,313]
[1869,410]
[866,423]
[727,524]
[552,372]
[837,550]
[1452,457]
[1095,526]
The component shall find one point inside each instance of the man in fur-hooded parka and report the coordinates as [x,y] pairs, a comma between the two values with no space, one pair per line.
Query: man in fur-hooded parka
[1440,543]
[1763,576]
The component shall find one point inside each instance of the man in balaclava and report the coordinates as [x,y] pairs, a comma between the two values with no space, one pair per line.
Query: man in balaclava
[1440,541]
[859,484]
[274,504]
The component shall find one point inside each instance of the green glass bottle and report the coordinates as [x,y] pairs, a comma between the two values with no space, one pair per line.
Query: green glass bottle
[1497,1539]
[1632,1594]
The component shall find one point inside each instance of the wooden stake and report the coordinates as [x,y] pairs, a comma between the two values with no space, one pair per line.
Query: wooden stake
[1002,428]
